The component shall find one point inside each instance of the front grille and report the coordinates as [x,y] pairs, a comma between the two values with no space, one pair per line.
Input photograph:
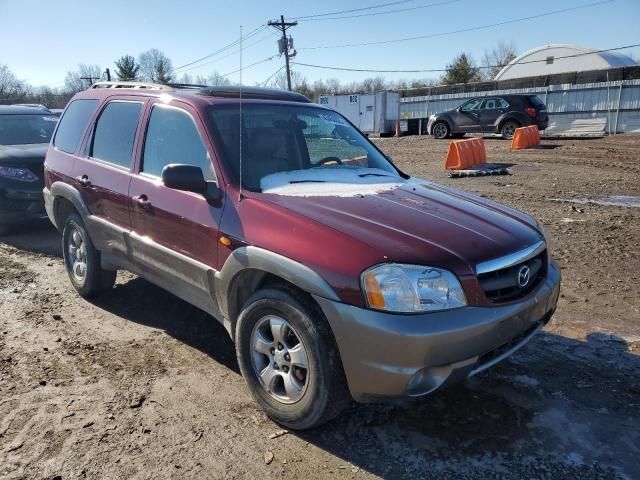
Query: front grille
[504,285]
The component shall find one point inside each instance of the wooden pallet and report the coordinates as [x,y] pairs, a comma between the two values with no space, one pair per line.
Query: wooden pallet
[481,171]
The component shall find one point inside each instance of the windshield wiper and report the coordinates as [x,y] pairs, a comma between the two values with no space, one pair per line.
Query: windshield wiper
[307,181]
[374,175]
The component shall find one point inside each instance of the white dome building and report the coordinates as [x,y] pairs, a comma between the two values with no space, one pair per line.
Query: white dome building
[552,59]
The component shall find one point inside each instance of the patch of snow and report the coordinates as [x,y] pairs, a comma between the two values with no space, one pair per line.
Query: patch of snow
[331,182]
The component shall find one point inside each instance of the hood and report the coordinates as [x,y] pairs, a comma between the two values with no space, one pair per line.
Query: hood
[420,222]
[23,154]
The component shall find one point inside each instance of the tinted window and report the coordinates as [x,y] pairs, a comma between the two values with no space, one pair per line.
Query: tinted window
[494,103]
[472,105]
[172,137]
[115,132]
[26,129]
[73,123]
[536,101]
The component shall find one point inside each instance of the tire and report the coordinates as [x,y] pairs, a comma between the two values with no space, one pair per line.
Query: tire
[507,129]
[314,395]
[82,260]
[440,130]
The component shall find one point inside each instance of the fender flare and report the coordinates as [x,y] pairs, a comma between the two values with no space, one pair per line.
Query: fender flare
[63,190]
[256,258]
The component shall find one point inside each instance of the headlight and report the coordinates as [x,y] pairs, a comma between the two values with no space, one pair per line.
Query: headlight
[411,288]
[20,174]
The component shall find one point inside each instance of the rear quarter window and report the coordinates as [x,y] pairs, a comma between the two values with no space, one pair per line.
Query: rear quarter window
[73,123]
[535,101]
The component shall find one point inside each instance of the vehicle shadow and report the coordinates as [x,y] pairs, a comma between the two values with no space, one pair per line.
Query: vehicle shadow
[562,407]
[141,302]
[41,238]
[559,408]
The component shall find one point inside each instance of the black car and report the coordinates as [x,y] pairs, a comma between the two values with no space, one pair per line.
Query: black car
[25,131]
[496,114]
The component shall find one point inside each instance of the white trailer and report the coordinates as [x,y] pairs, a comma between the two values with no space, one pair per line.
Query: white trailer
[372,113]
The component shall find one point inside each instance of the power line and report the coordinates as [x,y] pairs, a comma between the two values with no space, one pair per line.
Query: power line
[230,54]
[470,29]
[371,7]
[436,70]
[253,32]
[273,75]
[398,10]
[252,65]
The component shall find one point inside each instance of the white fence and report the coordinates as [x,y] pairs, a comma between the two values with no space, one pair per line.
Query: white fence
[617,102]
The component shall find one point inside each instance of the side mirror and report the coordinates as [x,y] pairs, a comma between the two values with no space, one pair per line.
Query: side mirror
[184,177]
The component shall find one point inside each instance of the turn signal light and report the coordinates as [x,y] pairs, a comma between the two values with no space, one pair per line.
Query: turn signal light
[531,112]
[226,241]
[375,299]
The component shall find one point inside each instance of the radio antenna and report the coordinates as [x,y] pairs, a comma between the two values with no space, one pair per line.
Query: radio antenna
[240,126]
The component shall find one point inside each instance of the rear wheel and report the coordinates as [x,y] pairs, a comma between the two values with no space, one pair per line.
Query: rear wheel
[440,130]
[289,359]
[82,260]
[508,129]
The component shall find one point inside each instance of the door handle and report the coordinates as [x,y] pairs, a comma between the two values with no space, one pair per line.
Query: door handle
[84,181]
[142,201]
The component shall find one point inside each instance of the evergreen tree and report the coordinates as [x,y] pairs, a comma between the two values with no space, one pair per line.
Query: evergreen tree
[127,68]
[462,70]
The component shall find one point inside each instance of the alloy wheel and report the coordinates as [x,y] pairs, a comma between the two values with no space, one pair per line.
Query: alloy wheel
[440,130]
[280,359]
[77,250]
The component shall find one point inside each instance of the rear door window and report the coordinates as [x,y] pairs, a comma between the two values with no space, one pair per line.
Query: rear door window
[115,132]
[173,137]
[72,125]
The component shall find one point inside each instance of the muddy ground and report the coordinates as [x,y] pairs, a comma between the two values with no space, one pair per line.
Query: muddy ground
[139,385]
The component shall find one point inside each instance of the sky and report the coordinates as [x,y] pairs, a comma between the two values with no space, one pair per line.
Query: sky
[41,40]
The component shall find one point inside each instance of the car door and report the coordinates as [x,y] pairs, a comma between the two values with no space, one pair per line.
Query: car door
[175,233]
[492,109]
[467,117]
[103,172]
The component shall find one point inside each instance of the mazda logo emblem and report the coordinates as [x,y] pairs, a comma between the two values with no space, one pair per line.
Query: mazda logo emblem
[523,276]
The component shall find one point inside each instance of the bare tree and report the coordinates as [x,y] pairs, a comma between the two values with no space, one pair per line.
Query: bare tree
[216,79]
[498,57]
[298,83]
[11,88]
[155,66]
[83,78]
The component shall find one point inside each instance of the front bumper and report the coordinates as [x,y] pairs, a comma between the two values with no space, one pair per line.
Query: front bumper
[20,204]
[392,355]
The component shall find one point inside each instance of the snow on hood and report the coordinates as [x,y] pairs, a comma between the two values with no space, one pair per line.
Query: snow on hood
[330,182]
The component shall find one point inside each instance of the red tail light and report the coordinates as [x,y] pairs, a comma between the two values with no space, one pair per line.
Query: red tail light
[531,112]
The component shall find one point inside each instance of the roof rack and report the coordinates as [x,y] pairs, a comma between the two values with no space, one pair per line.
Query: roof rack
[135,85]
[254,93]
[32,105]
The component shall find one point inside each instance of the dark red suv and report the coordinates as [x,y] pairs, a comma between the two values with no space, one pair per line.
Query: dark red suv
[337,275]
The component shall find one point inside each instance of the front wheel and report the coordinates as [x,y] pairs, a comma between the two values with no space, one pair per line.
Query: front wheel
[82,260]
[289,359]
[440,130]
[508,129]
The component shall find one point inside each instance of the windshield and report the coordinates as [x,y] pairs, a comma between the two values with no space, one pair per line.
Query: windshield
[26,129]
[308,141]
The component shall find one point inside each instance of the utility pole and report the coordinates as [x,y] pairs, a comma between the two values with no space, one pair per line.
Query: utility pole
[284,43]
[90,79]
[108,74]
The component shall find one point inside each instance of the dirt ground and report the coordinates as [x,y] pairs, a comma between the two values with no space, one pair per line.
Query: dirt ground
[139,385]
